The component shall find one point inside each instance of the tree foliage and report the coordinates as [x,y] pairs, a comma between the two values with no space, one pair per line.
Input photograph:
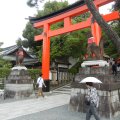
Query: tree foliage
[5,63]
[117,5]
[110,48]
[19,42]
[29,33]
[34,3]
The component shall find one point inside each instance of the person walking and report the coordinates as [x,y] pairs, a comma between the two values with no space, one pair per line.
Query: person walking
[114,68]
[93,99]
[40,83]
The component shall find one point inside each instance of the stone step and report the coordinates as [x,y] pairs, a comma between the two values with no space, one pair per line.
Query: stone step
[67,86]
[63,90]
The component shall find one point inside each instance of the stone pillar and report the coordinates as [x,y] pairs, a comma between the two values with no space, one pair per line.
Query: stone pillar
[19,83]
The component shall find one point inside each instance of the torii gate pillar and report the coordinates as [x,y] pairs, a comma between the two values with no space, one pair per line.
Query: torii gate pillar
[46,57]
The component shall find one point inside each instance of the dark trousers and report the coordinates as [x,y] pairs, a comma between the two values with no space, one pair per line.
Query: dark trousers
[114,72]
[92,110]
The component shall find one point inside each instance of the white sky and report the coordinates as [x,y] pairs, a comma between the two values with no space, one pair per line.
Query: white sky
[12,19]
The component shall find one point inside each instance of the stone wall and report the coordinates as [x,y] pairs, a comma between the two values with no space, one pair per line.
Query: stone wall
[109,105]
[108,91]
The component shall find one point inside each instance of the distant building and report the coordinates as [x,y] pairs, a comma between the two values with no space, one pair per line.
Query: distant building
[59,69]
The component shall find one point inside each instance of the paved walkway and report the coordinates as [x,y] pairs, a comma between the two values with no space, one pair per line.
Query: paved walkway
[19,108]
[54,107]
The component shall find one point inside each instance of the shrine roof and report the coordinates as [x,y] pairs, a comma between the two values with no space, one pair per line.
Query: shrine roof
[70,7]
[10,51]
[62,61]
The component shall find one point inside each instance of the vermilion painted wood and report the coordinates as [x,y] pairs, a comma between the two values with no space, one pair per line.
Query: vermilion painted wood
[95,28]
[85,24]
[68,27]
[112,16]
[46,53]
[74,12]
[96,32]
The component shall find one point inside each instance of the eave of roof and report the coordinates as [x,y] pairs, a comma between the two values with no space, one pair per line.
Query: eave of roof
[7,51]
[10,49]
[13,58]
[70,7]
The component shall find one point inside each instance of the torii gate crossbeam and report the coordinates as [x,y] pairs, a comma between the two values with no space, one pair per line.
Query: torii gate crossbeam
[66,16]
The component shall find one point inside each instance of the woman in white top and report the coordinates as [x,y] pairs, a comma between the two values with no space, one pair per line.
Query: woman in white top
[40,83]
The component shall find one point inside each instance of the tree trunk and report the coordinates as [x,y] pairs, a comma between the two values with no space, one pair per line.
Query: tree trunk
[117,5]
[103,24]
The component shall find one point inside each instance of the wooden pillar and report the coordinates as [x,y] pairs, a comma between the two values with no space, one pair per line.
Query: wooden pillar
[96,32]
[46,58]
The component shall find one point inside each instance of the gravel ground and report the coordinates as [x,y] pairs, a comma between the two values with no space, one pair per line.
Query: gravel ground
[58,113]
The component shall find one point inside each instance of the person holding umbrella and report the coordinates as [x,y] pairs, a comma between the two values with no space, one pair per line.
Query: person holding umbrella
[92,97]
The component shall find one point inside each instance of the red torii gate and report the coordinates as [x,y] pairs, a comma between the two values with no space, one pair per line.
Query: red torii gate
[66,16]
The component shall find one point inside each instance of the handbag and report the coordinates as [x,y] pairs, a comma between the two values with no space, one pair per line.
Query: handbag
[87,101]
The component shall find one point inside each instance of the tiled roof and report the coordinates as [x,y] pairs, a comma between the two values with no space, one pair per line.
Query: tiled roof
[70,7]
[12,49]
[8,53]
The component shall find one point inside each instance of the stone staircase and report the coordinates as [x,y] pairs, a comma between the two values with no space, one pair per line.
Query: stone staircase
[66,89]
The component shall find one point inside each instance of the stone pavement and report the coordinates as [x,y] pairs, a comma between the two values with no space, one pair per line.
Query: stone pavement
[23,107]
[53,107]
[49,111]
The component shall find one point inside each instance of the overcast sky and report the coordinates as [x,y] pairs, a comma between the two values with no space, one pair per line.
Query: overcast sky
[12,19]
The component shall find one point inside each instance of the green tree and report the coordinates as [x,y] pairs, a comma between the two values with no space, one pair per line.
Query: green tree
[34,3]
[117,5]
[50,7]
[29,33]
[110,48]
[25,43]
[19,42]
[4,63]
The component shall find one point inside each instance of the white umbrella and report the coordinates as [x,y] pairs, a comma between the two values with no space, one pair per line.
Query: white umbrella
[90,79]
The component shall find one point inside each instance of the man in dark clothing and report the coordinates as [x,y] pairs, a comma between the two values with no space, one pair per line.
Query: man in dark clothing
[114,68]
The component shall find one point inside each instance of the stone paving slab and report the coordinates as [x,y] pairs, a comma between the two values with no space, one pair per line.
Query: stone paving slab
[54,107]
[58,113]
[24,107]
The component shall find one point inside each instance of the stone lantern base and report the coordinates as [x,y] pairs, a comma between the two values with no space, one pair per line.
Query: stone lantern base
[19,83]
